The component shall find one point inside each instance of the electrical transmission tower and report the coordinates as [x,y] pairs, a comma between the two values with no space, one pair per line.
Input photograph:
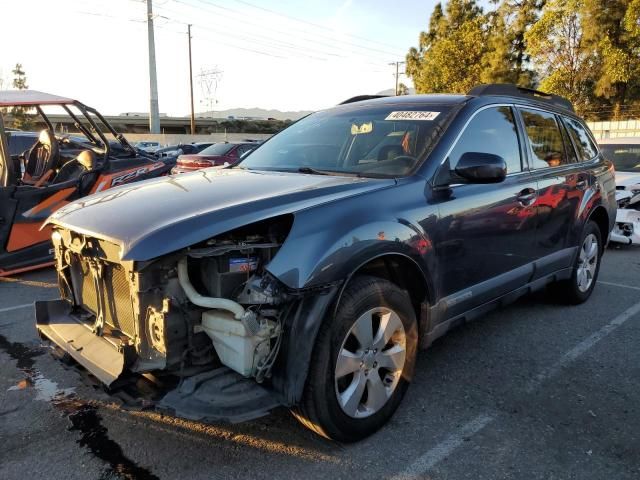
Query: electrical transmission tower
[209,80]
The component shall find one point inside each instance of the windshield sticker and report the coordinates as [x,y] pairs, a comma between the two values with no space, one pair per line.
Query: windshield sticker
[412,115]
[364,128]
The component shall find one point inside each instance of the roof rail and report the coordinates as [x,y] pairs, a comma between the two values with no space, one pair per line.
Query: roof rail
[516,91]
[360,98]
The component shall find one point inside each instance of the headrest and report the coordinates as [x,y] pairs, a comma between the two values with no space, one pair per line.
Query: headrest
[45,137]
[87,158]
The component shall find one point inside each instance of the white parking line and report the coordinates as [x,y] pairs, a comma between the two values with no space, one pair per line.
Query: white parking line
[619,285]
[441,451]
[431,458]
[17,307]
[583,347]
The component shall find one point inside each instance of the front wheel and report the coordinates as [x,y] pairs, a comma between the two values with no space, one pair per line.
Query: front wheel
[586,267]
[362,362]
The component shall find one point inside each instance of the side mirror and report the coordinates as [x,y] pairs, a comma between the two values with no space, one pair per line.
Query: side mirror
[477,167]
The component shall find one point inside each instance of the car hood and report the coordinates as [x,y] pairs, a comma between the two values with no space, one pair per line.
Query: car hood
[156,217]
[626,179]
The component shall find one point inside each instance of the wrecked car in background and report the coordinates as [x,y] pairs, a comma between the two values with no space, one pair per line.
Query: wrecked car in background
[625,155]
[55,170]
[308,274]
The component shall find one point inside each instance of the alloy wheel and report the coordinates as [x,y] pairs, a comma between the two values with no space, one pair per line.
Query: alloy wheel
[370,362]
[587,262]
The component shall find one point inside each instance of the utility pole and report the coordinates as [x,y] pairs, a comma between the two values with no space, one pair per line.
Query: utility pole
[397,64]
[154,112]
[193,115]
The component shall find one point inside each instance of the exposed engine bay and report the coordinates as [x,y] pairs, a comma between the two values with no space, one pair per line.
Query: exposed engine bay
[188,315]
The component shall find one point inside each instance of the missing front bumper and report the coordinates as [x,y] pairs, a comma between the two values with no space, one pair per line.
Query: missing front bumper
[212,396]
[102,358]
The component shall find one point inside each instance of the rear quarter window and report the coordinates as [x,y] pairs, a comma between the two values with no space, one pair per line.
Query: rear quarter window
[584,145]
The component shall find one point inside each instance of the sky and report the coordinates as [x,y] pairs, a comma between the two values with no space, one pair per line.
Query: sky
[288,55]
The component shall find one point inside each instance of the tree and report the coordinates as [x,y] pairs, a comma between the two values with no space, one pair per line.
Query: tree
[449,55]
[506,60]
[612,30]
[403,89]
[562,56]
[22,119]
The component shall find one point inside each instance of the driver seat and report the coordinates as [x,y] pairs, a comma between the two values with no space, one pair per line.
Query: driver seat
[42,157]
[73,169]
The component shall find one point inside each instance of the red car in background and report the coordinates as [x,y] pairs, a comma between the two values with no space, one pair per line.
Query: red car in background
[216,155]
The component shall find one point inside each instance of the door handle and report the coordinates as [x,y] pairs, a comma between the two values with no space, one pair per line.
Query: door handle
[527,196]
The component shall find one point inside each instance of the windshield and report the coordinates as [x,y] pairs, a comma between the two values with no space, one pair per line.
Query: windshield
[217,149]
[368,141]
[625,157]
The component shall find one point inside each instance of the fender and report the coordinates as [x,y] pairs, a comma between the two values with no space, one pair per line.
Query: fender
[328,245]
[323,269]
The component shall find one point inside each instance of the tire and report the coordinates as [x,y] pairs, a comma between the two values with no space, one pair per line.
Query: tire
[349,398]
[586,267]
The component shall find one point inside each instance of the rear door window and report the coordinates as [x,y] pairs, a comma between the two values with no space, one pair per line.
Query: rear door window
[585,146]
[545,139]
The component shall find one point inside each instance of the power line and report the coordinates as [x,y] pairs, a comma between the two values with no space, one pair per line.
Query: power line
[317,25]
[337,45]
[253,38]
[273,48]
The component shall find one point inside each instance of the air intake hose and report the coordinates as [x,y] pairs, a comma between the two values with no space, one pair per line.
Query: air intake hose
[206,302]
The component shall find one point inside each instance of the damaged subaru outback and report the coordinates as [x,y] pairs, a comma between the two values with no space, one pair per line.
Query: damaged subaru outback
[309,274]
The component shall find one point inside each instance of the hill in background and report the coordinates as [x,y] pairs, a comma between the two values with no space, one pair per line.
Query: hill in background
[254,114]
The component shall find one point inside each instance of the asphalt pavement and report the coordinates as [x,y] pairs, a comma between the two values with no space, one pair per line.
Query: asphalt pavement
[535,390]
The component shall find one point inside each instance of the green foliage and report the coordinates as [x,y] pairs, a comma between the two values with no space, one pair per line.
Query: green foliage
[585,50]
[403,89]
[22,119]
[450,52]
[612,31]
[250,126]
[557,47]
[506,60]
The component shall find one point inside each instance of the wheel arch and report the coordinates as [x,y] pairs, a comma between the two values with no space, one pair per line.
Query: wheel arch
[601,217]
[289,380]
[401,270]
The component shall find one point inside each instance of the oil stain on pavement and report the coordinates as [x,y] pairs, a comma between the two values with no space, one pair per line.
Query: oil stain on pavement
[84,417]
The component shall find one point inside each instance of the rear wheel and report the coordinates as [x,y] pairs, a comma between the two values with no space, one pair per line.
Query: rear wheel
[362,362]
[583,279]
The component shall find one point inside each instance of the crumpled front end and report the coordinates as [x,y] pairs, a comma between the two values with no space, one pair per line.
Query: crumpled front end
[627,227]
[206,321]
[111,318]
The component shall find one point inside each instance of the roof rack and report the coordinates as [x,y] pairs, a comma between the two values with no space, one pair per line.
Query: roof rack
[516,91]
[360,98]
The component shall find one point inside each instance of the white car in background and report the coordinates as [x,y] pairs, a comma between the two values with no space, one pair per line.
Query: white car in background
[625,155]
[148,146]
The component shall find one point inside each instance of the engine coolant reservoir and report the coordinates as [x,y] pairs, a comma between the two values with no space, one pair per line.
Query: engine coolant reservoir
[236,348]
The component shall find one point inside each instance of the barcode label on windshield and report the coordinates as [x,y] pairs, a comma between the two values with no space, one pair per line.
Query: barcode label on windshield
[412,115]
